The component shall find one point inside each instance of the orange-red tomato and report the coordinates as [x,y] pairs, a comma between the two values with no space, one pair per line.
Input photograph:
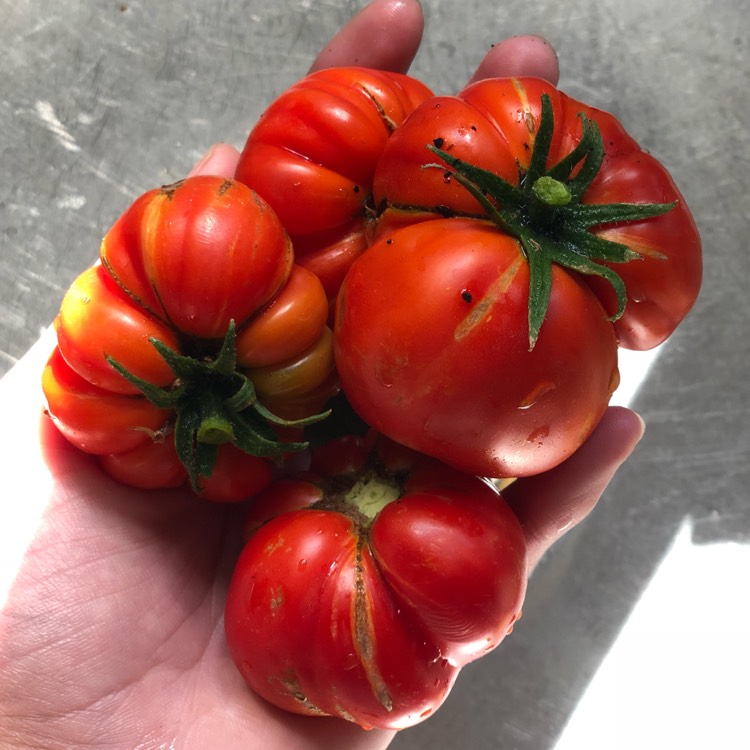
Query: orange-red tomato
[195,291]
[93,419]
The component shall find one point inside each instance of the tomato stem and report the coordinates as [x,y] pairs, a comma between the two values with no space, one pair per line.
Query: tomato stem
[215,430]
[551,192]
[546,214]
[214,403]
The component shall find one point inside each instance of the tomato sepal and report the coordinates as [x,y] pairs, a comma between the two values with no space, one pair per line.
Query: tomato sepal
[215,404]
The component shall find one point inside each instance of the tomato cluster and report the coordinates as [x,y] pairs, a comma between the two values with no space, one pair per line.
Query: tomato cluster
[457,274]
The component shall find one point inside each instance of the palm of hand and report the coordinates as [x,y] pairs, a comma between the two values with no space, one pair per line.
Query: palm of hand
[115,627]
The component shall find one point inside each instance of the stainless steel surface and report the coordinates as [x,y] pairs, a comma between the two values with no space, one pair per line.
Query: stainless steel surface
[101,101]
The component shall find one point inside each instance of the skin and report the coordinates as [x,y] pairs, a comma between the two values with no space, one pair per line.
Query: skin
[112,632]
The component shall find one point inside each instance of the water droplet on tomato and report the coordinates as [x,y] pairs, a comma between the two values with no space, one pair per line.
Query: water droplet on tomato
[302,564]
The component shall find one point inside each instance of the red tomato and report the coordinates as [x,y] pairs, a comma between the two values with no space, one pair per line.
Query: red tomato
[365,586]
[497,125]
[154,464]
[432,349]
[95,420]
[313,153]
[158,345]
[236,475]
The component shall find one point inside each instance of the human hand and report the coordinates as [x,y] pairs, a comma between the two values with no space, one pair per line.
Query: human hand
[112,632]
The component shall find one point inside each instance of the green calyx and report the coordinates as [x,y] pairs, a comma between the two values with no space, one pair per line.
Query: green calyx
[545,213]
[370,494]
[214,404]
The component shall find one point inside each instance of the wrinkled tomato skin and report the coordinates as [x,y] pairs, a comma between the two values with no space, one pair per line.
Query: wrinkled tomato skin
[96,317]
[371,622]
[330,255]
[493,124]
[289,324]
[313,152]
[437,356]
[181,264]
[664,282]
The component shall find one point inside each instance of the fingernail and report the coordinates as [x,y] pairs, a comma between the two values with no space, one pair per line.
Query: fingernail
[642,423]
[205,159]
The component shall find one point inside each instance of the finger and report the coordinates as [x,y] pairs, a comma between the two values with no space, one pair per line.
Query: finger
[220,160]
[385,35]
[520,56]
[550,504]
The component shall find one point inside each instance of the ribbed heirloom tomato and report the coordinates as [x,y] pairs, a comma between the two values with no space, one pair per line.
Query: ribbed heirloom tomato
[312,156]
[523,236]
[175,347]
[368,583]
[583,152]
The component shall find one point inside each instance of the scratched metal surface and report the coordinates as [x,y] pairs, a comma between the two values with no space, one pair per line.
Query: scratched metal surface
[102,101]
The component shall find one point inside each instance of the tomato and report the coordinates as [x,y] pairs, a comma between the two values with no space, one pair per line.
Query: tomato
[367,583]
[523,237]
[312,156]
[497,125]
[155,464]
[196,295]
[93,419]
[432,349]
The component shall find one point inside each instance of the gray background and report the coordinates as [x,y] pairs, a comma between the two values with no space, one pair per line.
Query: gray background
[102,100]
